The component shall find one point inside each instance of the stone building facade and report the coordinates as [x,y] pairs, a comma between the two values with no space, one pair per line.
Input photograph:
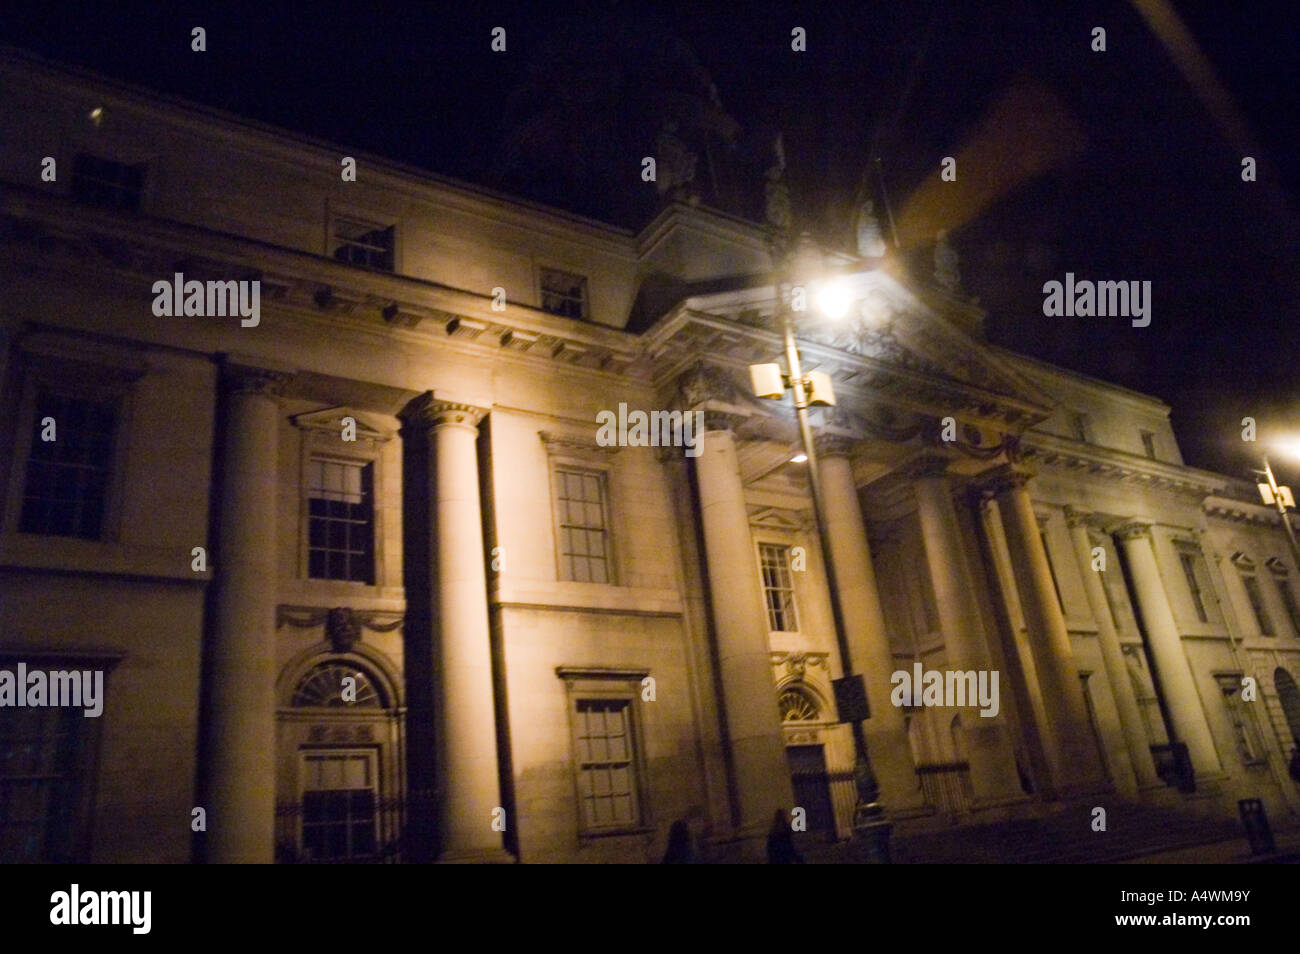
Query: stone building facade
[367,585]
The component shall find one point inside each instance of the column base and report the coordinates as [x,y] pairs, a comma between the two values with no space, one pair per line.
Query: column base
[477,856]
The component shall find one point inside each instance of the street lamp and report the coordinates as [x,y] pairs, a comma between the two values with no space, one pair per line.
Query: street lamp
[833,298]
[1280,497]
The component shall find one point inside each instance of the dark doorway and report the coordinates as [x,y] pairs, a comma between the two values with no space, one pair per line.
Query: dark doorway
[812,787]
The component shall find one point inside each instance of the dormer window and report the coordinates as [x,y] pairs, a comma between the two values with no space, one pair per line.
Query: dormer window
[564,293]
[363,243]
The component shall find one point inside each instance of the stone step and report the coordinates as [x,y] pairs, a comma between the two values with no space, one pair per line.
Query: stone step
[1066,837]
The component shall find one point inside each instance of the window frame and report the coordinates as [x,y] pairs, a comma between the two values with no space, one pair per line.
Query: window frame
[1081,426]
[1255,599]
[1210,602]
[1187,560]
[362,465]
[602,474]
[1256,752]
[1285,594]
[1149,444]
[86,381]
[320,435]
[369,220]
[372,756]
[82,838]
[786,565]
[587,684]
[542,268]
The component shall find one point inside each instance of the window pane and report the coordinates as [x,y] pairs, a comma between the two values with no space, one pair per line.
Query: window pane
[66,486]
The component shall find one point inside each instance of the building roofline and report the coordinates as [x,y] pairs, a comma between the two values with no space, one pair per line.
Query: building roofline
[55,69]
[1086,379]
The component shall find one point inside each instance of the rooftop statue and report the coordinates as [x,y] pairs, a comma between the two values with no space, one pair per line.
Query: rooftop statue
[871,243]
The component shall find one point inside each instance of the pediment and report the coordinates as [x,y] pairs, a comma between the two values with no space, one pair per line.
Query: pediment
[773,518]
[901,347]
[331,420]
[910,331]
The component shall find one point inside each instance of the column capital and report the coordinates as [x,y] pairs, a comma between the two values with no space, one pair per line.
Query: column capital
[1008,477]
[1132,530]
[1077,518]
[240,375]
[926,465]
[722,420]
[703,383]
[431,413]
[833,445]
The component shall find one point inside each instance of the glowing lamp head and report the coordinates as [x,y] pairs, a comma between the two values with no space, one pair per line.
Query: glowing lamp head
[799,459]
[1288,447]
[834,299]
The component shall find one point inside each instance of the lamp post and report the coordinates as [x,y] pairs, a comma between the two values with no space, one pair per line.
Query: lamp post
[1281,498]
[870,826]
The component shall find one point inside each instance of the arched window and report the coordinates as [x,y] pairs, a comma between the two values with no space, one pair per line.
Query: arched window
[323,686]
[797,704]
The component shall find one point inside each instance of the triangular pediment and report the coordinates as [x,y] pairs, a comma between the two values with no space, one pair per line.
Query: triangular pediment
[922,332]
[898,345]
[331,419]
[773,518]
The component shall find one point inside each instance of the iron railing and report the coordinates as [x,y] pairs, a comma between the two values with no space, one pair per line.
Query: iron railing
[947,785]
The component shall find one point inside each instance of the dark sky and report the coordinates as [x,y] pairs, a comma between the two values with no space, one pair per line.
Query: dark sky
[1110,166]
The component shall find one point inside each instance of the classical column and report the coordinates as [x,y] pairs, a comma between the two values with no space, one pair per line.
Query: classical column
[468,786]
[754,736]
[1035,727]
[1168,661]
[868,636]
[1076,758]
[992,764]
[239,658]
[1140,769]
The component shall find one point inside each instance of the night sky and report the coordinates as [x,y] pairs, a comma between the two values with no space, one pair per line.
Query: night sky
[1112,165]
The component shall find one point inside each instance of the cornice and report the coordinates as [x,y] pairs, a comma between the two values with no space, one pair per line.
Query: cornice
[50,229]
[1239,511]
[702,219]
[1045,450]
